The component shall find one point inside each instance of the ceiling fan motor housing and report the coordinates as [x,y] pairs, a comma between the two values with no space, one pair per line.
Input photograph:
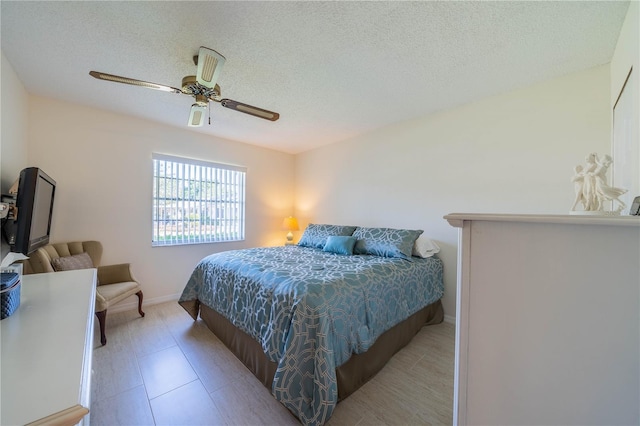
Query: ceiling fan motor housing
[190,86]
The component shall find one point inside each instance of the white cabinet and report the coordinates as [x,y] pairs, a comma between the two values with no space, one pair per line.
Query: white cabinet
[47,347]
[548,320]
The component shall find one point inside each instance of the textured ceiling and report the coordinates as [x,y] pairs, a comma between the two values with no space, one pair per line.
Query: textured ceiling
[333,70]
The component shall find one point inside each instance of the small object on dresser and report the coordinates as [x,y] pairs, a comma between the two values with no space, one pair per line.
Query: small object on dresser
[592,190]
[635,207]
[9,293]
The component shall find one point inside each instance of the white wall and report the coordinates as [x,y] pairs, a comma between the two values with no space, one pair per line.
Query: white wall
[102,164]
[13,131]
[512,153]
[13,125]
[626,156]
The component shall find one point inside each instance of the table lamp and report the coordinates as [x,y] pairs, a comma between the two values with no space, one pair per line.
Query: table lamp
[290,224]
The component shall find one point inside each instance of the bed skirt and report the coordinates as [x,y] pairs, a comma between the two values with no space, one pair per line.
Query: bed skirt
[352,374]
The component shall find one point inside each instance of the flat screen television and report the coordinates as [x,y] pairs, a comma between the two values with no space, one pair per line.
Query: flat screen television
[34,203]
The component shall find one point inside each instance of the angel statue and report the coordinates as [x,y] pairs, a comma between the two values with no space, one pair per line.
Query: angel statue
[590,184]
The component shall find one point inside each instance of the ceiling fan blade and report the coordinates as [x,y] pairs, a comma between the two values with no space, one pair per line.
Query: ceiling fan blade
[251,110]
[196,117]
[134,82]
[210,64]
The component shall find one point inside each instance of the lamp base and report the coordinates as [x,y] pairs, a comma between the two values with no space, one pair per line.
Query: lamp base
[289,239]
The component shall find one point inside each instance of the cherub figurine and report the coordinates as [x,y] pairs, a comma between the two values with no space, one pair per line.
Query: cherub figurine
[591,187]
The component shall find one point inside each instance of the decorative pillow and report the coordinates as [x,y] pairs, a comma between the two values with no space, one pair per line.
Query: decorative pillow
[386,242]
[316,235]
[340,244]
[424,247]
[69,263]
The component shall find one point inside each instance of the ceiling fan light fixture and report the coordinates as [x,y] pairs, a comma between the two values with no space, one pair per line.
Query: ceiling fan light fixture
[210,64]
[202,100]
[196,117]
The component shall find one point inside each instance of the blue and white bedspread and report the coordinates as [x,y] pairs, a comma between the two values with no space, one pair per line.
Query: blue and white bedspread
[310,310]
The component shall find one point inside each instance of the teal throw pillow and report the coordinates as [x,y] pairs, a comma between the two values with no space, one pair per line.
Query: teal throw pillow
[340,244]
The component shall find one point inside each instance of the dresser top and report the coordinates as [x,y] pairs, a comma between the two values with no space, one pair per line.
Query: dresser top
[457,219]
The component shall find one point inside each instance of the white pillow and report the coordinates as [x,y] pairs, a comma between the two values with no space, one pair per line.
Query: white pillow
[424,247]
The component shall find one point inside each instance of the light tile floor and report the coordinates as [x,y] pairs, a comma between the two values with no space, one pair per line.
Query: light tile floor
[166,369]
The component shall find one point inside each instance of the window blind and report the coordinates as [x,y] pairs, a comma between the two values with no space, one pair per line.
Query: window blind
[196,201]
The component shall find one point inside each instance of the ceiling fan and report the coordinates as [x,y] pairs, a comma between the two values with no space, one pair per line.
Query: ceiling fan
[201,86]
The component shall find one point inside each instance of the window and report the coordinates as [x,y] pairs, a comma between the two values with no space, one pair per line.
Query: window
[196,201]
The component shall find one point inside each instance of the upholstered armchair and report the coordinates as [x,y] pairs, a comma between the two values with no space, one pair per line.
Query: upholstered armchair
[115,282]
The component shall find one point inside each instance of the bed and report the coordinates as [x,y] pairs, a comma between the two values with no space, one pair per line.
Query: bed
[315,324]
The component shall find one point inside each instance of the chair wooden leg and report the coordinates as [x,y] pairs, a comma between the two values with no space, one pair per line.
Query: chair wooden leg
[102,319]
[139,294]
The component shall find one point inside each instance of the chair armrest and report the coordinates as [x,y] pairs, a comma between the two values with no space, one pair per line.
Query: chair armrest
[111,274]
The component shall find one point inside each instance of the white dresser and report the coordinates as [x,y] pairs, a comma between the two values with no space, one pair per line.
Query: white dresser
[46,351]
[548,320]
